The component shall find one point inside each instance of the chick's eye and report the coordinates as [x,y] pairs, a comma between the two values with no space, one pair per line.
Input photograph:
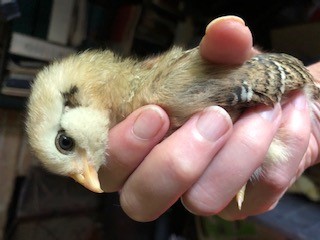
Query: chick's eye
[64,143]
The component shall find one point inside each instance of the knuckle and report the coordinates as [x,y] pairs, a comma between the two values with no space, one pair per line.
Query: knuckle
[250,145]
[199,207]
[298,140]
[202,201]
[180,167]
[135,211]
[294,139]
[277,181]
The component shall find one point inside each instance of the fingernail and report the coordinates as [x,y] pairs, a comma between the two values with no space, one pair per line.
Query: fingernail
[148,123]
[213,123]
[300,102]
[225,18]
[269,113]
[186,207]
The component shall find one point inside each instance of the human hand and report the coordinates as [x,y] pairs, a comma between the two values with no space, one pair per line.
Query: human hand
[151,176]
[261,195]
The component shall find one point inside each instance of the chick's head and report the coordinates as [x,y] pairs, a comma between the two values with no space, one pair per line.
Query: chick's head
[66,130]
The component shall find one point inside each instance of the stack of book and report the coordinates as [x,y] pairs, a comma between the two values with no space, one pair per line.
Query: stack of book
[39,35]
[26,56]
[50,29]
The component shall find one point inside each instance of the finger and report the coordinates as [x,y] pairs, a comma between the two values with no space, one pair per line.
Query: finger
[261,195]
[174,165]
[315,71]
[129,142]
[227,40]
[236,161]
[313,157]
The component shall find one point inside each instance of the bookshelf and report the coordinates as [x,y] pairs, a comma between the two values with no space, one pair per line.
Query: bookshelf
[126,27]
[108,24]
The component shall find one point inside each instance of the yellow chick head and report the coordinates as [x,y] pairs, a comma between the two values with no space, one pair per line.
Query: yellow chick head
[67,128]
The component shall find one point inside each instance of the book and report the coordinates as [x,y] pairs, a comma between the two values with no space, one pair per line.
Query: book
[124,28]
[184,34]
[24,65]
[155,33]
[34,18]
[36,48]
[25,23]
[43,16]
[61,21]
[170,6]
[9,10]
[99,24]
[17,84]
[79,30]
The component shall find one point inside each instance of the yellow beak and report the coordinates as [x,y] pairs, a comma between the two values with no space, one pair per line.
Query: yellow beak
[89,178]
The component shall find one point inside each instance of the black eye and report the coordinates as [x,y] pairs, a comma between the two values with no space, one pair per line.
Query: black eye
[64,143]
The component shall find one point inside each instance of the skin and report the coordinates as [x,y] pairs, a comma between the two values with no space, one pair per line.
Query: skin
[206,164]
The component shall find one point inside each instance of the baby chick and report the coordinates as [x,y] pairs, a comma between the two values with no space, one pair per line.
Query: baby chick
[75,101]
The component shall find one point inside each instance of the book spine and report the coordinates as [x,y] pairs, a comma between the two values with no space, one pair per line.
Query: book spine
[124,28]
[42,18]
[18,85]
[61,21]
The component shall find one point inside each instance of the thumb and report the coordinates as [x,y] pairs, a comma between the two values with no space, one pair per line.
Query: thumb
[228,41]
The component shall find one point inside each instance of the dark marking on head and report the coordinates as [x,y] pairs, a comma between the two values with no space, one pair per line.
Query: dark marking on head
[73,90]
[70,97]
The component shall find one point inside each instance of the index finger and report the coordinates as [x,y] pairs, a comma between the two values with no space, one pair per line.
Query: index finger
[129,142]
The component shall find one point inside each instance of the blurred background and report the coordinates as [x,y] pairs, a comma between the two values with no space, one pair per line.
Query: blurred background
[37,205]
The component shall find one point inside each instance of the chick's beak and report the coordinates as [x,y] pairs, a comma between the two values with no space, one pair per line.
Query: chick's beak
[88,178]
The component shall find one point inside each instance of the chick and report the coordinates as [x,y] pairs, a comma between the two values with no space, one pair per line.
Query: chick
[75,101]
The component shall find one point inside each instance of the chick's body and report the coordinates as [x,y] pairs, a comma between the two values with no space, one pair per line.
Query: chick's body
[84,95]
